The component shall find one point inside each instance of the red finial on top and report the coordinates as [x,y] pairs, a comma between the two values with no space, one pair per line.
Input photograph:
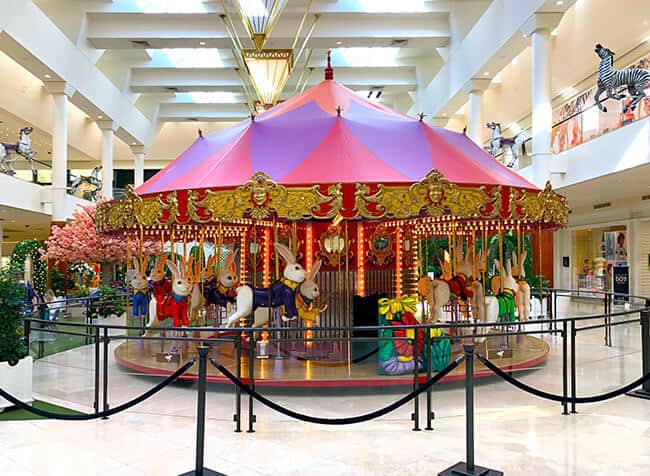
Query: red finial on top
[329,71]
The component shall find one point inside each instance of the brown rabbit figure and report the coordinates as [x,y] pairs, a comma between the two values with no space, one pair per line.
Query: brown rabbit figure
[308,293]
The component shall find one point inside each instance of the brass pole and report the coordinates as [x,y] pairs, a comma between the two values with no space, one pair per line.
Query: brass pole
[141,248]
[539,246]
[218,250]
[255,256]
[503,265]
[275,240]
[347,302]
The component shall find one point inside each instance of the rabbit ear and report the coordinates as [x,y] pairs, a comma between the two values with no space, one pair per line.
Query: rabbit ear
[233,261]
[174,269]
[524,254]
[285,253]
[508,268]
[136,265]
[498,265]
[514,258]
[228,261]
[314,270]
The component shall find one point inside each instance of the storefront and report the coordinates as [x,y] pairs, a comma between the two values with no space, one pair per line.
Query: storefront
[600,259]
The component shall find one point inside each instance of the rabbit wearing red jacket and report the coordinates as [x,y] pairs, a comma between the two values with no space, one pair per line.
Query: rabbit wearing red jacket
[176,305]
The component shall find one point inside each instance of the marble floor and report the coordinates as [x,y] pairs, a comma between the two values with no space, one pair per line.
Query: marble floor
[515,432]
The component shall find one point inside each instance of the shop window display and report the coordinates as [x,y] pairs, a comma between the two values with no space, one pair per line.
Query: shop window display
[598,254]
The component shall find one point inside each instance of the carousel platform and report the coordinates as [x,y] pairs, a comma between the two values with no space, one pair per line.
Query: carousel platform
[293,370]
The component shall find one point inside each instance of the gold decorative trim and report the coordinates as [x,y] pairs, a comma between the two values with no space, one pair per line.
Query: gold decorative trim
[380,255]
[546,206]
[434,195]
[132,210]
[259,197]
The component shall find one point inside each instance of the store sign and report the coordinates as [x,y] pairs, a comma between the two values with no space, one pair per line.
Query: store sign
[621,282]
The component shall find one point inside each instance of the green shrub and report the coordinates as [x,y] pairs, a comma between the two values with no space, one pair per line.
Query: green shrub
[108,303]
[12,294]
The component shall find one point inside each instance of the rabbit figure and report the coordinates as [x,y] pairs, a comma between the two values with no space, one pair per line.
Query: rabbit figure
[308,293]
[522,297]
[502,306]
[177,302]
[140,286]
[160,288]
[223,291]
[282,293]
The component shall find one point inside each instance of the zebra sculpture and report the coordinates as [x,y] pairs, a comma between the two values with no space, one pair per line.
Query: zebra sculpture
[512,145]
[610,80]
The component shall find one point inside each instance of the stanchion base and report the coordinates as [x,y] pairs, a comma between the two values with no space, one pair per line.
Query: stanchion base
[460,469]
[639,394]
[206,472]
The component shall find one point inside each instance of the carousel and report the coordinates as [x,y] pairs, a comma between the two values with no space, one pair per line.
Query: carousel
[327,212]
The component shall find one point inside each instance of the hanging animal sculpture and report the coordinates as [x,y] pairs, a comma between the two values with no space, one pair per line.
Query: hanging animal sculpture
[510,146]
[88,186]
[437,292]
[22,148]
[140,285]
[282,294]
[636,80]
[502,306]
[522,297]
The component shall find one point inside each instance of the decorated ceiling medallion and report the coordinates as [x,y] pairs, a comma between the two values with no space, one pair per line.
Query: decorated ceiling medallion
[269,71]
[259,17]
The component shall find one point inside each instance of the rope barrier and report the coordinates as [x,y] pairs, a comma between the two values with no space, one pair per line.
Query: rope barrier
[125,406]
[365,356]
[559,398]
[337,421]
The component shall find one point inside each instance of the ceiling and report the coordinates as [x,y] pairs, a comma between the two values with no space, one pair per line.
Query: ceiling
[177,54]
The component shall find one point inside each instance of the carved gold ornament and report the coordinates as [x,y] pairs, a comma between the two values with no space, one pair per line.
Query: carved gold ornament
[434,195]
[380,244]
[259,197]
[540,207]
[132,210]
[333,247]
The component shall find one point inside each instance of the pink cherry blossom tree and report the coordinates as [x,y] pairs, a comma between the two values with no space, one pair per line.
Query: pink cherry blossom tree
[78,241]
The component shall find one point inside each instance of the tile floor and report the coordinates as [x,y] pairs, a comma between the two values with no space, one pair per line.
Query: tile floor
[516,432]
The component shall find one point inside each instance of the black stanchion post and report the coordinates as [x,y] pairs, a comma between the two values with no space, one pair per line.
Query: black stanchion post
[468,468]
[644,391]
[428,343]
[199,470]
[105,371]
[28,329]
[251,383]
[97,339]
[416,382]
[565,379]
[237,416]
[573,365]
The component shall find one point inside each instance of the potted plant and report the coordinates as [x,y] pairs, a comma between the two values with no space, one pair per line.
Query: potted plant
[16,366]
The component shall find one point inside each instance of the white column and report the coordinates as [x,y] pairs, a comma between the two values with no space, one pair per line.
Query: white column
[107,128]
[138,171]
[542,113]
[539,27]
[474,88]
[60,92]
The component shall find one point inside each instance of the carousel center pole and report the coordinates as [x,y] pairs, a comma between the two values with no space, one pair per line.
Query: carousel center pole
[503,265]
[348,317]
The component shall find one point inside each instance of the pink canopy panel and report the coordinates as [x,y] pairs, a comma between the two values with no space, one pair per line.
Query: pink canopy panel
[329,134]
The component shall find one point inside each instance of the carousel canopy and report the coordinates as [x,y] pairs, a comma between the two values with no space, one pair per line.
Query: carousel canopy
[329,153]
[329,134]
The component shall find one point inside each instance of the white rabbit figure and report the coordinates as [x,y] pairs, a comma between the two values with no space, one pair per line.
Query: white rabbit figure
[140,286]
[160,286]
[522,297]
[502,306]
[309,292]
[282,293]
[177,303]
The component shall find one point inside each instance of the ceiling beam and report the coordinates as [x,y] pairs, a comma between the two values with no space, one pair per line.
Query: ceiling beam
[129,31]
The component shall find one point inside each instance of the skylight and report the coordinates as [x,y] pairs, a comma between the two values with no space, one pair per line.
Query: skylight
[392,6]
[187,57]
[361,56]
[171,6]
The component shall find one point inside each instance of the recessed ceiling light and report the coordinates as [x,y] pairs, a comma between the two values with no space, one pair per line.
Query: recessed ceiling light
[99,116]
[202,43]
[559,2]
[444,114]
[134,143]
[339,42]
[47,76]
[486,73]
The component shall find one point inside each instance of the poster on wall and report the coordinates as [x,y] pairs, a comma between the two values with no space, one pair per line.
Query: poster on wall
[621,282]
[610,247]
[620,250]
